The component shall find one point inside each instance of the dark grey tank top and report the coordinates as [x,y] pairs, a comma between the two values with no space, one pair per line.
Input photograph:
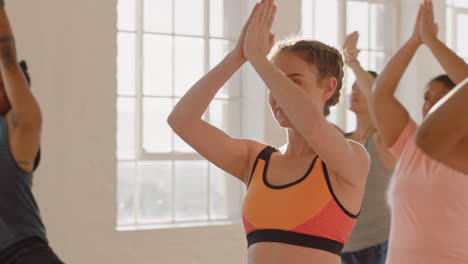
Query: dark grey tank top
[373,224]
[19,213]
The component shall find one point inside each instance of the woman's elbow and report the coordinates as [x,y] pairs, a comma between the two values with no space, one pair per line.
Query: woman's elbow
[172,121]
[179,123]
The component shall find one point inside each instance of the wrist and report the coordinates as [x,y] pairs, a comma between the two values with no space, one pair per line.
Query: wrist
[236,57]
[431,42]
[257,58]
[414,42]
[352,62]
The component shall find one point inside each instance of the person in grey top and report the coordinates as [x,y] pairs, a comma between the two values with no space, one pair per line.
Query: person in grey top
[368,241]
[22,233]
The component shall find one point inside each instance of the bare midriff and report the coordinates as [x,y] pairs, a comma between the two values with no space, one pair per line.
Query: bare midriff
[278,253]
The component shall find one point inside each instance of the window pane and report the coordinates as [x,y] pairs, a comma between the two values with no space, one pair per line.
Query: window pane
[345,100]
[225,194]
[307,10]
[126,13]
[189,63]
[189,16]
[126,128]
[125,192]
[191,199]
[358,20]
[450,27]
[217,18]
[223,14]
[155,192]
[225,115]
[460,3]
[218,50]
[126,64]
[181,146]
[157,135]
[326,13]
[333,117]
[157,65]
[378,26]
[364,59]
[377,61]
[158,16]
[350,121]
[349,81]
[462,35]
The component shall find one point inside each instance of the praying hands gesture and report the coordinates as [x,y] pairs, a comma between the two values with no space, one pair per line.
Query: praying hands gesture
[427,30]
[427,27]
[350,47]
[258,39]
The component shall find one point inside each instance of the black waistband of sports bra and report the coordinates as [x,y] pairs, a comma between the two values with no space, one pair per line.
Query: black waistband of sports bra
[297,239]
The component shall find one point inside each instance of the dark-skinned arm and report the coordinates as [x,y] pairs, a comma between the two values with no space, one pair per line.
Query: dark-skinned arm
[24,117]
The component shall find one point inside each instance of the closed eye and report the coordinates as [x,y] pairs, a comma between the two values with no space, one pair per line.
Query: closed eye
[296,81]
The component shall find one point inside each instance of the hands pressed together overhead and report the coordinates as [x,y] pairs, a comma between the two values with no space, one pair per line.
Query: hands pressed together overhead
[425,29]
[350,50]
[258,39]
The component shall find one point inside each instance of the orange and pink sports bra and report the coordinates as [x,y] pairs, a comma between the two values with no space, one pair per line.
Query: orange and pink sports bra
[304,213]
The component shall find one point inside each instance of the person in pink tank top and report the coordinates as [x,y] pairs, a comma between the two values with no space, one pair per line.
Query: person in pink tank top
[429,199]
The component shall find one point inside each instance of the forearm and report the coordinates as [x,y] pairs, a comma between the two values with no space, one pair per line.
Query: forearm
[456,67]
[195,102]
[389,115]
[7,41]
[387,83]
[364,79]
[26,111]
[290,97]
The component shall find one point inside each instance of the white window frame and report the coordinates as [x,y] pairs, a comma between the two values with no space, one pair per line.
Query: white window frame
[392,40]
[452,36]
[142,155]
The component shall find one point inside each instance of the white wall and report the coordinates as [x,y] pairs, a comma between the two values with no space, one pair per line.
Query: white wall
[70,47]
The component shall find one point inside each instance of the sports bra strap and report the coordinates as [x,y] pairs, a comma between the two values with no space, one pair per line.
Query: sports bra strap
[266,153]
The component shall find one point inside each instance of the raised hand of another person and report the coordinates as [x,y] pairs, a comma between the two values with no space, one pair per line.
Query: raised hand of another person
[350,47]
[416,36]
[428,29]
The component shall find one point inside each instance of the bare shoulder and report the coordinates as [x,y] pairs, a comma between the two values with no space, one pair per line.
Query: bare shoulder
[253,146]
[254,149]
